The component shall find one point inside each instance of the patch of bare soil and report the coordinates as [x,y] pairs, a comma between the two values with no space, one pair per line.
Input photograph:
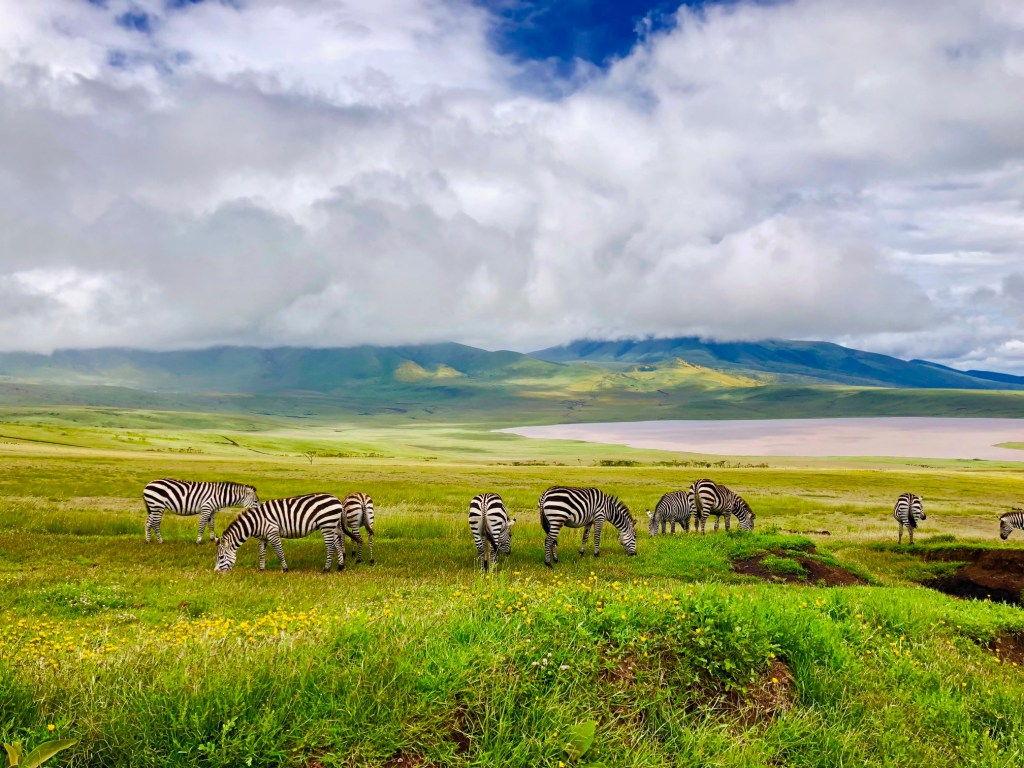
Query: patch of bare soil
[1009,648]
[990,574]
[773,694]
[817,572]
[807,533]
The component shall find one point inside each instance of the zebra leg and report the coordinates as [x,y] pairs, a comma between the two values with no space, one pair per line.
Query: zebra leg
[673,527]
[494,555]
[718,519]
[330,544]
[205,516]
[727,517]
[586,535]
[598,524]
[153,518]
[357,539]
[550,542]
[901,532]
[481,555]
[263,554]
[662,527]
[275,542]
[910,530]
[354,535]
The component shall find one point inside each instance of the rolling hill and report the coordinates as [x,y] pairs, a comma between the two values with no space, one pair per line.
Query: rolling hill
[584,381]
[795,361]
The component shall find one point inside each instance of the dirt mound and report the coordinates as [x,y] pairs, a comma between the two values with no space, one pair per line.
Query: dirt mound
[764,700]
[990,574]
[816,571]
[1009,649]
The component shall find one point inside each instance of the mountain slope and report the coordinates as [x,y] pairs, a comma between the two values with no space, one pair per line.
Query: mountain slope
[256,370]
[820,361]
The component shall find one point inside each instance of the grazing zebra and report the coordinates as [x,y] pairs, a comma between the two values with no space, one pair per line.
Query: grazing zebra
[908,511]
[491,527]
[358,512]
[186,497]
[710,498]
[583,508]
[1009,521]
[674,507]
[291,518]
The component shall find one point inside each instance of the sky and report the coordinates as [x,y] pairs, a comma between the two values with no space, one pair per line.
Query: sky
[513,174]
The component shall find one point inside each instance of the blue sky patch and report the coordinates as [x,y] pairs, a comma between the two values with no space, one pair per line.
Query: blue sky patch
[596,31]
[136,20]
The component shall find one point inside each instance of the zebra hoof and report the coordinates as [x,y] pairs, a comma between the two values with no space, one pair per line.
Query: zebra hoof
[548,564]
[372,562]
[284,570]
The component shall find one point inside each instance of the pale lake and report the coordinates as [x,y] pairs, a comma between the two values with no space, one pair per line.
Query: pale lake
[907,437]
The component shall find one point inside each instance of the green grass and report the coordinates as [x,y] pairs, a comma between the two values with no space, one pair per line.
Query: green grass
[149,658]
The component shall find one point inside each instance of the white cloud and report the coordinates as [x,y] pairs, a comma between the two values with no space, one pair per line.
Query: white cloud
[343,172]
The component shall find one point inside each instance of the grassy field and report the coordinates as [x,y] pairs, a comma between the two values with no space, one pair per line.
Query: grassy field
[149,658]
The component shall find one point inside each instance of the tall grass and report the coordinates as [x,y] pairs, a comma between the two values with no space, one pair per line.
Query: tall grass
[149,658]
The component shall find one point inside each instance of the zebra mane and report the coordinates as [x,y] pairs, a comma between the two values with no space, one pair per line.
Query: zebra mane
[236,523]
[615,503]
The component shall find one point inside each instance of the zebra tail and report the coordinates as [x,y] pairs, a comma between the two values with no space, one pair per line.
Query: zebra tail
[544,519]
[343,528]
[486,525]
[698,508]
[366,522]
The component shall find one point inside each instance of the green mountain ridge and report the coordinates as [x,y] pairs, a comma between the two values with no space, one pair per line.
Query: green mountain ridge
[592,381]
[823,362]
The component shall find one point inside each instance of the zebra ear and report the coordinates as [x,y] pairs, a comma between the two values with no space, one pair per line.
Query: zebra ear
[511,522]
[649,513]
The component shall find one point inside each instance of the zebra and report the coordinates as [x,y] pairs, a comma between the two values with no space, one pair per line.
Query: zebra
[491,528]
[188,497]
[583,508]
[711,498]
[1009,521]
[291,518]
[358,512]
[907,512]
[674,507]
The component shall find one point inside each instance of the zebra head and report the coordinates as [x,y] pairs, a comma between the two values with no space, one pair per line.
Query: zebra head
[249,497]
[744,514]
[226,555]
[618,515]
[652,524]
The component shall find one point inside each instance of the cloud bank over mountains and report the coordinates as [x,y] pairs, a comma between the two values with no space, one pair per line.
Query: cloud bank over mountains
[178,174]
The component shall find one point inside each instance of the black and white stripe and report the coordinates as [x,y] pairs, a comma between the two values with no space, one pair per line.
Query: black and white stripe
[186,497]
[674,507]
[358,514]
[711,498]
[491,527]
[293,518]
[1009,521]
[908,511]
[561,506]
